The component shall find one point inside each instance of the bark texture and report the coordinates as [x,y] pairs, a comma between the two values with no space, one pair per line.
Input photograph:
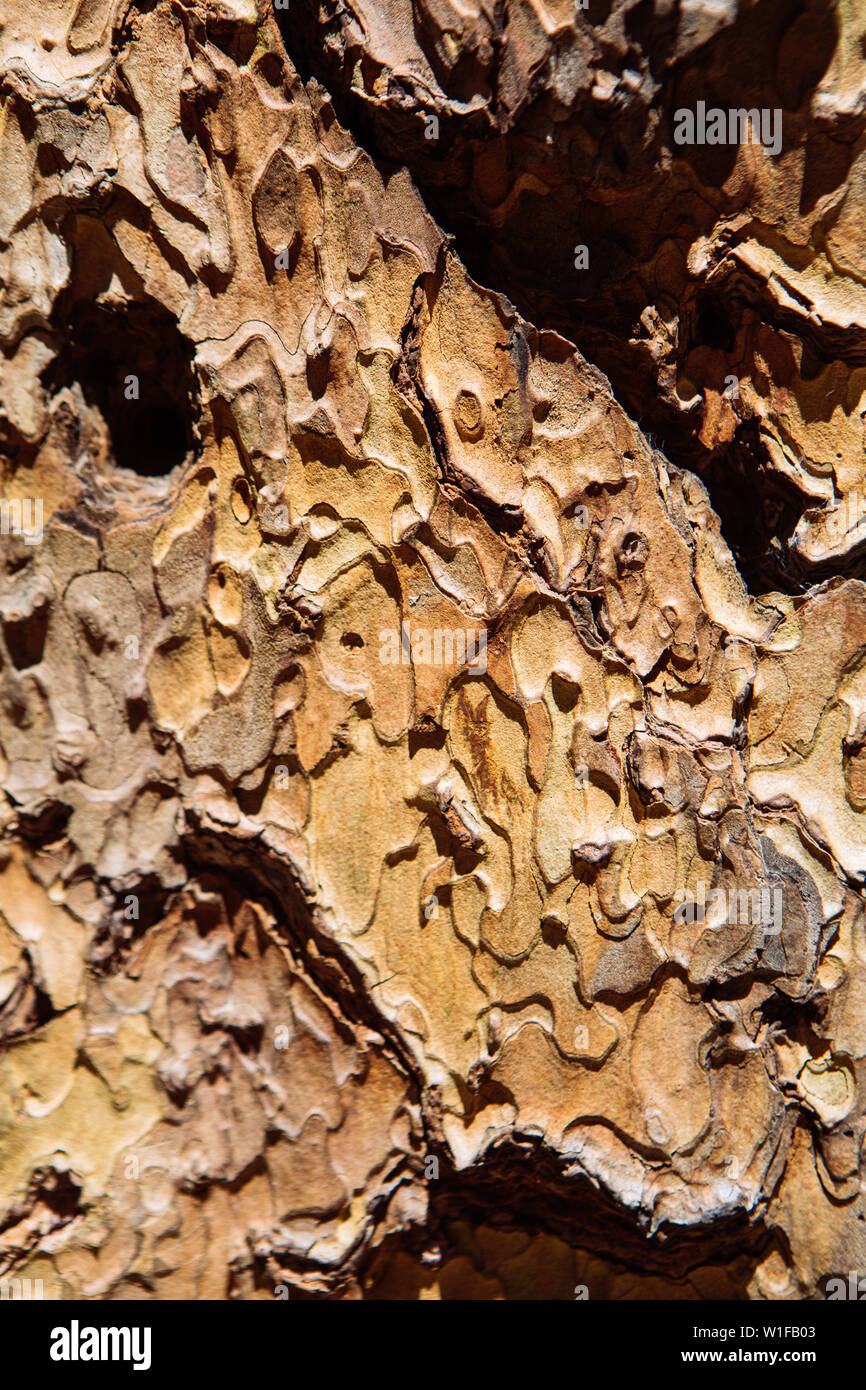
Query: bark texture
[432,662]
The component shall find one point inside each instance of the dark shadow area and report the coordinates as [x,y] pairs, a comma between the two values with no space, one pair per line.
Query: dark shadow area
[134,367]
[519,1185]
[611,190]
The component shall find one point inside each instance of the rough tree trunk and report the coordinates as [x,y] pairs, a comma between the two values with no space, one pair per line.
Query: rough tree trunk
[432,651]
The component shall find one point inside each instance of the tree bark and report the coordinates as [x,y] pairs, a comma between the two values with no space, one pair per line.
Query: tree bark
[431,668]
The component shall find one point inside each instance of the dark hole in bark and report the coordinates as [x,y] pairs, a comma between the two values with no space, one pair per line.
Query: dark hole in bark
[714,328]
[25,639]
[318,372]
[134,367]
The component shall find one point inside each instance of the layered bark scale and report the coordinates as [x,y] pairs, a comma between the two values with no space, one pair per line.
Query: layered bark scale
[427,869]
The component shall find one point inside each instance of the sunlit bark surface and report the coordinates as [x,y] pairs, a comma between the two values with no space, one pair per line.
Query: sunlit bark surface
[432,650]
